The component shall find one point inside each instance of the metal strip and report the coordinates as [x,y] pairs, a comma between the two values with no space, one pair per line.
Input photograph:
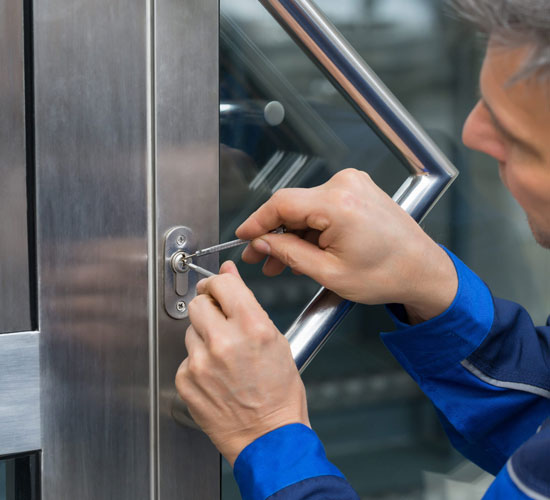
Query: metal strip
[151,250]
[19,393]
[431,171]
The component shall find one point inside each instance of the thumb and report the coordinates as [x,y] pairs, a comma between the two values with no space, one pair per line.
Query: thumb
[298,254]
[229,267]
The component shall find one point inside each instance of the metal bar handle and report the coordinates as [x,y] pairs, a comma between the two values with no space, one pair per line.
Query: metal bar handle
[431,172]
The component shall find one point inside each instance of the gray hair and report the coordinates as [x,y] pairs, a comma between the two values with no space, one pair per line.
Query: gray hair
[514,23]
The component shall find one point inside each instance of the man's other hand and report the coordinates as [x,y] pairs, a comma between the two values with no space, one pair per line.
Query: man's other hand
[352,238]
[239,379]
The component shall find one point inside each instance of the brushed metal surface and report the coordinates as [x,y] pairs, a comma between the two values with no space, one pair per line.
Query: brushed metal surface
[93,160]
[187,139]
[14,260]
[19,393]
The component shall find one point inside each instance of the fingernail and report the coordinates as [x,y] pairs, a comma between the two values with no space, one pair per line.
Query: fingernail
[261,246]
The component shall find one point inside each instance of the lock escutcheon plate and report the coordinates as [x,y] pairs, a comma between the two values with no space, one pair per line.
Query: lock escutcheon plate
[179,287]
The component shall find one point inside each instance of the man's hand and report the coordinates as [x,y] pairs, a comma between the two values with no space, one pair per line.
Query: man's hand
[239,379]
[352,238]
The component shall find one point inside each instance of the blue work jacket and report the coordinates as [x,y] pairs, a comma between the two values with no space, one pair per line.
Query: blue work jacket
[486,368]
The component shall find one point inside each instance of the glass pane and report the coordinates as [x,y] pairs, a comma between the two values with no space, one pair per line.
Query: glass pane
[263,75]
[20,477]
[376,425]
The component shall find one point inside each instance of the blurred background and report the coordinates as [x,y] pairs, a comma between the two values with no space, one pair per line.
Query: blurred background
[376,425]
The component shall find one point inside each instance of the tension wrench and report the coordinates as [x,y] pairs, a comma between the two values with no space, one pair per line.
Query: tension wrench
[200,270]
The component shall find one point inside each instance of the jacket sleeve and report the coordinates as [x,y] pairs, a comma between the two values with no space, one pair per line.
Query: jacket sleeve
[527,472]
[289,463]
[484,365]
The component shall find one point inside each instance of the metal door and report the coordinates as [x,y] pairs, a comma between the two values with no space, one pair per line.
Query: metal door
[109,113]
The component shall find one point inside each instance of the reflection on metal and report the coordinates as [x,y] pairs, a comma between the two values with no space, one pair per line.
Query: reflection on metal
[431,171]
[313,327]
[271,113]
[19,393]
[180,412]
[14,260]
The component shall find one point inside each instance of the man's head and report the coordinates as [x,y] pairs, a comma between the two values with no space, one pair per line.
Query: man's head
[511,121]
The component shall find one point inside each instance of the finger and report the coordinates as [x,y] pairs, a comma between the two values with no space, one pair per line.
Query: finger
[185,385]
[251,256]
[295,208]
[300,255]
[229,267]
[273,267]
[182,375]
[232,294]
[349,178]
[193,343]
[206,316]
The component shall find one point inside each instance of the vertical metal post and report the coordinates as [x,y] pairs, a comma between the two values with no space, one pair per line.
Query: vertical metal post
[187,150]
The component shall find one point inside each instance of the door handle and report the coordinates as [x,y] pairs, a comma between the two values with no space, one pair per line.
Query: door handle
[431,173]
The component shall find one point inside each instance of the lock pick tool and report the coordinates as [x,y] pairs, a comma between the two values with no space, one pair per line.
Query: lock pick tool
[219,248]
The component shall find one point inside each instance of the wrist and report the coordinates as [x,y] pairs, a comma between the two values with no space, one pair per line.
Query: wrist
[435,287]
[231,446]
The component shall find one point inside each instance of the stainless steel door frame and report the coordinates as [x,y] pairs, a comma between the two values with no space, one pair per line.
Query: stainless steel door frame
[127,146]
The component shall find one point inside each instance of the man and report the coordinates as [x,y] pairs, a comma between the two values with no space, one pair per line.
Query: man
[480,359]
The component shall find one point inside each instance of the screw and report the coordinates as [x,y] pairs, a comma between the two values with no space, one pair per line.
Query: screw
[181,306]
[180,240]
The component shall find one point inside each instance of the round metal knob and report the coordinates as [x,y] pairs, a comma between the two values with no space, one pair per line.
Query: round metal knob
[274,113]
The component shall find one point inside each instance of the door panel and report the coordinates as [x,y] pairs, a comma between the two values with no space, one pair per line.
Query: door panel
[93,163]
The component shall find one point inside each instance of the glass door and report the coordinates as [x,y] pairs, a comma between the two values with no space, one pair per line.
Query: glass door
[375,423]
